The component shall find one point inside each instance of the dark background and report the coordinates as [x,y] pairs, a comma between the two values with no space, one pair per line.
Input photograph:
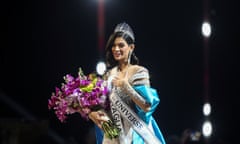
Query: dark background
[47,39]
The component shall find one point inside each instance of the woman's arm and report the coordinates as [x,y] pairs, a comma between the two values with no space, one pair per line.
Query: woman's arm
[138,76]
[136,97]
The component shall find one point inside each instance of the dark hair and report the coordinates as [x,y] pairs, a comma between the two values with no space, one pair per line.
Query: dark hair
[111,62]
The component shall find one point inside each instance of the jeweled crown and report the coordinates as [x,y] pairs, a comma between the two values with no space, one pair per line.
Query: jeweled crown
[125,28]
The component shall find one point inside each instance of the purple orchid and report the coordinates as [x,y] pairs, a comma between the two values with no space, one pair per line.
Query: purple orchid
[79,95]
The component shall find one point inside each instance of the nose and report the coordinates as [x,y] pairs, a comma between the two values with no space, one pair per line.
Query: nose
[115,48]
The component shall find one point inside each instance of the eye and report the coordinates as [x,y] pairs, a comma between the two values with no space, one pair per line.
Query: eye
[121,45]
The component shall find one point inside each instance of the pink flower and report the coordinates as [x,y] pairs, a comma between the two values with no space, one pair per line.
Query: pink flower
[81,94]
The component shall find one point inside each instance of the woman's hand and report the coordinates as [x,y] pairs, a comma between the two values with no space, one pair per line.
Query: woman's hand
[98,117]
[119,80]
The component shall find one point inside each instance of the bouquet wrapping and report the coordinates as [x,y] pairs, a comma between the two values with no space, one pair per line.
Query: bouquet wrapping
[82,94]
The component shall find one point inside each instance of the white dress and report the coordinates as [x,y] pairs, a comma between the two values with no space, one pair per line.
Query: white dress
[137,78]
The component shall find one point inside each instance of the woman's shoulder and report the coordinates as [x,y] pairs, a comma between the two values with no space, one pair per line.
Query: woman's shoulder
[138,69]
[139,75]
[111,71]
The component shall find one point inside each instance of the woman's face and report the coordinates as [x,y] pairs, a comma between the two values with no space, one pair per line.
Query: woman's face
[120,49]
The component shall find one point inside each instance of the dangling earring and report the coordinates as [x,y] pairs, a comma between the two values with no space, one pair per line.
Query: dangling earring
[129,56]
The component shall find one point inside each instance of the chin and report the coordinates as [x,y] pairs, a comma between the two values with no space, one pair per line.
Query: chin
[117,58]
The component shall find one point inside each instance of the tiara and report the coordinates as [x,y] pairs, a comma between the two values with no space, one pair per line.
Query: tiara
[126,29]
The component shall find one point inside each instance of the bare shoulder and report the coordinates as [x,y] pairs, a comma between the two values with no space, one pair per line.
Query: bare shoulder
[139,75]
[134,69]
[138,68]
[111,71]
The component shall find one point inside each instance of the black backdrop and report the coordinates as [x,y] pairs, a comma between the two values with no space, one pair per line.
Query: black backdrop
[49,38]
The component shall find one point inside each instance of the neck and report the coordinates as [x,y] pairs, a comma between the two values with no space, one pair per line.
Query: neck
[122,66]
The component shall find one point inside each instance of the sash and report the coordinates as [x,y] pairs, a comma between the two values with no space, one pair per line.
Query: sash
[119,107]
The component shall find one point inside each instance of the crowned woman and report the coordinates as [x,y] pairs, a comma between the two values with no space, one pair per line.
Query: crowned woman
[132,99]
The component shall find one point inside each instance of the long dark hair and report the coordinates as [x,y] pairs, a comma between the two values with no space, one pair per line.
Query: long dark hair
[111,62]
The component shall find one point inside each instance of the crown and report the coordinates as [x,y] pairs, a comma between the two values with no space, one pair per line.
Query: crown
[126,29]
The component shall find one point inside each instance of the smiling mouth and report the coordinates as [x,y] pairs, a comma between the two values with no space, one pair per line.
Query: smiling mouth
[117,54]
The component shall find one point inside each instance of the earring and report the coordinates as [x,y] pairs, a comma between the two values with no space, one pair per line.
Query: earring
[129,56]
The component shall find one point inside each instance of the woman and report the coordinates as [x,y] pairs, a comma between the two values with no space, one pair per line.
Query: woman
[132,99]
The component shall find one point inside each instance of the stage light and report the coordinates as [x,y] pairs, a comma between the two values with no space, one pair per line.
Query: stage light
[206,109]
[101,68]
[207,129]
[206,29]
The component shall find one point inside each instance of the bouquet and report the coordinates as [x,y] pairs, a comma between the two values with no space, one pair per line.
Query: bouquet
[82,94]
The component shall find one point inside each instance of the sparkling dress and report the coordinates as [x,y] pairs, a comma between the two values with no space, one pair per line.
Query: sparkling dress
[140,86]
